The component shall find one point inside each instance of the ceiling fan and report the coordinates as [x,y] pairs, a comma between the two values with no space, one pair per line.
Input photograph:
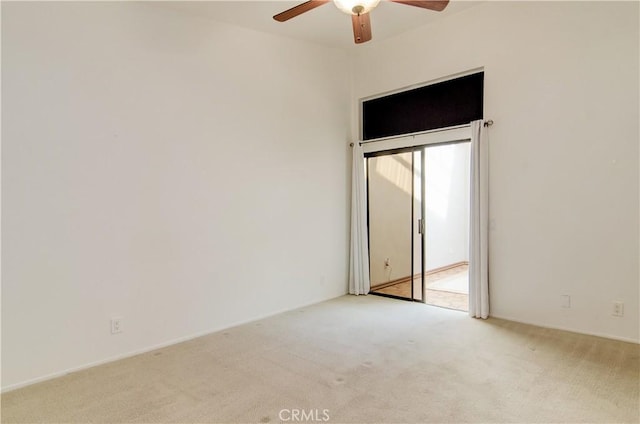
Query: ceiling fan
[359,11]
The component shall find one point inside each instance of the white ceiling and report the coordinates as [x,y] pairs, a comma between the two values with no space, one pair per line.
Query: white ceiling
[324,25]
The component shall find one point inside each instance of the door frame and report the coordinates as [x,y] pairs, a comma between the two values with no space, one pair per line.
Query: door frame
[412,143]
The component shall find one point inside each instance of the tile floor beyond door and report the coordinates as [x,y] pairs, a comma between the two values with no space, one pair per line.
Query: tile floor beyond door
[438,293]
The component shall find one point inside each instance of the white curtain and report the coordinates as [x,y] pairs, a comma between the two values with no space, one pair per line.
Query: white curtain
[479,226]
[359,257]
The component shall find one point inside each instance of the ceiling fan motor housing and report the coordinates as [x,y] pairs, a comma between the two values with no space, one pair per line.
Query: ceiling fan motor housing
[356,7]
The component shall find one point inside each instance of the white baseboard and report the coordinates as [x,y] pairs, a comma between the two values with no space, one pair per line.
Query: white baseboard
[155,347]
[571,330]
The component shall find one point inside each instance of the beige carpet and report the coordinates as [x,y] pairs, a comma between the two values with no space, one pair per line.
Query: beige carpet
[363,359]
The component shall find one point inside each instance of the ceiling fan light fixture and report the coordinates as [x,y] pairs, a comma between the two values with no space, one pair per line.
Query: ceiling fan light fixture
[356,7]
[359,11]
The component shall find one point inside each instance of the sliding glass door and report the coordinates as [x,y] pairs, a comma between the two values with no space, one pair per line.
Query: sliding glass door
[418,217]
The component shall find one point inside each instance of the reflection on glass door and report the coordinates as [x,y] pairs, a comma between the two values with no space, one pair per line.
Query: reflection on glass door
[395,252]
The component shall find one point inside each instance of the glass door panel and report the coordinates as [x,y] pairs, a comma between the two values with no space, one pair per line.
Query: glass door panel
[390,182]
[447,200]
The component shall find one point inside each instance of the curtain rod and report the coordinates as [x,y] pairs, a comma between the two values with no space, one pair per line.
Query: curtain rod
[487,123]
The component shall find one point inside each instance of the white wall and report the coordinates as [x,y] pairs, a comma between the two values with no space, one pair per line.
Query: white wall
[447,177]
[561,84]
[158,167]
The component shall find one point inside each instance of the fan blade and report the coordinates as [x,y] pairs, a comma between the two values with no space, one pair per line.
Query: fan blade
[299,10]
[438,6]
[361,28]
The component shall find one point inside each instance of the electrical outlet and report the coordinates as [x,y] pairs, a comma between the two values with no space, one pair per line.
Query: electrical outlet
[387,262]
[116,325]
[565,301]
[618,309]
